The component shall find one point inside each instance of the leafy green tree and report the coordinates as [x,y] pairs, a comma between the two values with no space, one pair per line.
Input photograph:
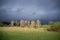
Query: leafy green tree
[55,27]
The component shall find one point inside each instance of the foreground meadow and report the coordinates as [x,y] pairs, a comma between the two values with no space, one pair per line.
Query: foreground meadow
[16,33]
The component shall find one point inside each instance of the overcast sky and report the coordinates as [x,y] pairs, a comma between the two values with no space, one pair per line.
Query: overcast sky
[29,10]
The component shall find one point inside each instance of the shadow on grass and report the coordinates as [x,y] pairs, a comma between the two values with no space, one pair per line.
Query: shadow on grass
[4,35]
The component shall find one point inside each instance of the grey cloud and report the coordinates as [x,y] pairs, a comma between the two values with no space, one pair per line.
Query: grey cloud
[29,9]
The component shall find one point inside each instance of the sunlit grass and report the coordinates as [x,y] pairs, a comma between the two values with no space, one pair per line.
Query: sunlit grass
[18,33]
[26,29]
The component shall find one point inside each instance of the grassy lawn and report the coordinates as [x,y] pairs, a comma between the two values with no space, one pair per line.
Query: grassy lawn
[38,35]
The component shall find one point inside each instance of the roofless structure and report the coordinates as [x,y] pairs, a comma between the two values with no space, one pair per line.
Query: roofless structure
[25,23]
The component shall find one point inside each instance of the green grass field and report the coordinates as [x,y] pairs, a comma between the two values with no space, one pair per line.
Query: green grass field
[10,35]
[17,33]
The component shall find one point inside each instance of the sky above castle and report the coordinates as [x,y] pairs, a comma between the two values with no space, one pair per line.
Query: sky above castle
[29,10]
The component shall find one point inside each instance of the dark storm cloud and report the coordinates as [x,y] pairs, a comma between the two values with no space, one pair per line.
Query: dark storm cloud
[29,9]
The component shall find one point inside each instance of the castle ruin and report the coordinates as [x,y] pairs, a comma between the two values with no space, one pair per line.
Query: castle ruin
[25,23]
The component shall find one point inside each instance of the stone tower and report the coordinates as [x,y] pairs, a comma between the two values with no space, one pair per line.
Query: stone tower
[12,23]
[32,23]
[26,23]
[38,24]
[17,23]
[22,23]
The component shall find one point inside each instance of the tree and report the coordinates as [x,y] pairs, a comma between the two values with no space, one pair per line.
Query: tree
[55,27]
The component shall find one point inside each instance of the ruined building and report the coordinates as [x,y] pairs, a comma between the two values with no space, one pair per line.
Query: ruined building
[32,23]
[25,23]
[22,23]
[12,23]
[38,24]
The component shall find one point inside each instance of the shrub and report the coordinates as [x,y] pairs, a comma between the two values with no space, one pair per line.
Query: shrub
[1,24]
[55,27]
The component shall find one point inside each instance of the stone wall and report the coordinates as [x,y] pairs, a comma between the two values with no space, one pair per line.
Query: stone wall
[25,23]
